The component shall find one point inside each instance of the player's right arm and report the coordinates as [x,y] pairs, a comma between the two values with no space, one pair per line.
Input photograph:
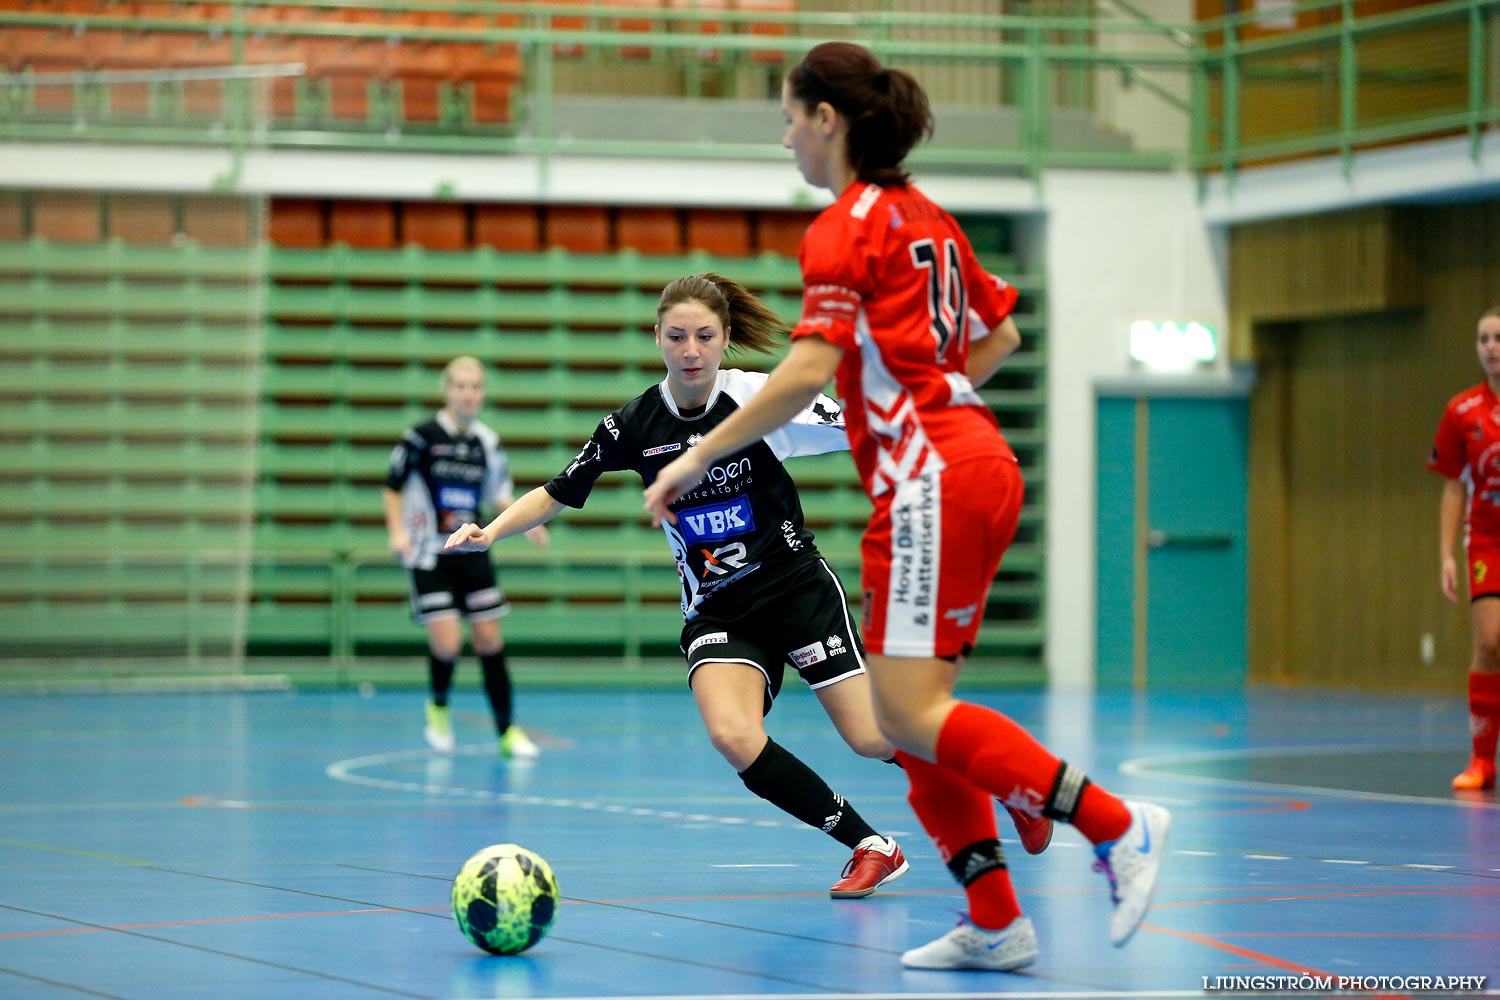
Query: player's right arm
[1450,519]
[397,537]
[569,488]
[534,509]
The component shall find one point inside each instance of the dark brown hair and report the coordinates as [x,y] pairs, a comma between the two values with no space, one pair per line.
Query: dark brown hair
[751,324]
[887,109]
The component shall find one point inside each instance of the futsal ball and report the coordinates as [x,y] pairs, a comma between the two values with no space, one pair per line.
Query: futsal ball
[504,899]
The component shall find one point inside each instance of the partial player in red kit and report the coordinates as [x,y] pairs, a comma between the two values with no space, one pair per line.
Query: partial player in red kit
[1467,453]
[898,310]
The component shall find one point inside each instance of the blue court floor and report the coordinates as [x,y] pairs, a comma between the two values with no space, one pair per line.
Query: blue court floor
[301,844]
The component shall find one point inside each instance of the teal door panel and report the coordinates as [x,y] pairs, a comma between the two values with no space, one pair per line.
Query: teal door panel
[1114,654]
[1195,621]
[1171,543]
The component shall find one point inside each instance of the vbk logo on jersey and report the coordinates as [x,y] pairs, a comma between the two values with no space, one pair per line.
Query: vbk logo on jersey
[716,521]
[457,498]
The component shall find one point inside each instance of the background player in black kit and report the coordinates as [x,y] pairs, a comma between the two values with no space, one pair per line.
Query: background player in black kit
[756,595]
[441,473]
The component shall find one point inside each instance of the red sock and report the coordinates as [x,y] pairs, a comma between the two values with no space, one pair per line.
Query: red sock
[1005,760]
[957,815]
[1484,713]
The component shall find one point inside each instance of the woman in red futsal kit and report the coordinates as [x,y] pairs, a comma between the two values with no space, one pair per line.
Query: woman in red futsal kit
[1467,453]
[897,309]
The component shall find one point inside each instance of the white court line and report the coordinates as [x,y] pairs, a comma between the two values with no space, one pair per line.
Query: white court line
[345,770]
[1019,995]
[1159,767]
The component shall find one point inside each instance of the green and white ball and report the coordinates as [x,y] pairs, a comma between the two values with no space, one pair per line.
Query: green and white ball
[505,899]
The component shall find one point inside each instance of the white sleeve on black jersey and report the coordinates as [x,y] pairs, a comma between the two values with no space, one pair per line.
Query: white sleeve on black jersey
[817,430]
[403,459]
[603,453]
[499,488]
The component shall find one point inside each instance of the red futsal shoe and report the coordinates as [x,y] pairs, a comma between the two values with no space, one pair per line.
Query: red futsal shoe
[876,861]
[1035,831]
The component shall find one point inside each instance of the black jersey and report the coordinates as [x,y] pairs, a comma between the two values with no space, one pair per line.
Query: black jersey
[444,476]
[741,529]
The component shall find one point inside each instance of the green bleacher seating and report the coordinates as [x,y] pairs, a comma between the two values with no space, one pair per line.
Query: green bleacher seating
[135,401]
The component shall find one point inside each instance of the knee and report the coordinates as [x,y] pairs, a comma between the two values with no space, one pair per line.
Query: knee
[873,745]
[444,649]
[913,729]
[1487,653]
[738,741]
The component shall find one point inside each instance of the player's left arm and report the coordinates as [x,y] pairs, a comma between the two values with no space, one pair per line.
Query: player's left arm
[988,354]
[791,388]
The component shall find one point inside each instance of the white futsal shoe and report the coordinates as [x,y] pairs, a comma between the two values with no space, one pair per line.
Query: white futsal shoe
[1131,864]
[970,947]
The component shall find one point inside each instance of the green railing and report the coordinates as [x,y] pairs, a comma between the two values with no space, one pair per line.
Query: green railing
[1111,86]
[1020,93]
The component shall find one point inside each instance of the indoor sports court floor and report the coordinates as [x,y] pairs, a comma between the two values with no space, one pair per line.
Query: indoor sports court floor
[300,844]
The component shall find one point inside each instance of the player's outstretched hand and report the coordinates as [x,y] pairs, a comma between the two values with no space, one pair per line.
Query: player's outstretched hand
[539,536]
[468,538]
[676,478]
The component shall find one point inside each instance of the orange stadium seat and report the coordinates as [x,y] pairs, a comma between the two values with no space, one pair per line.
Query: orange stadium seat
[66,217]
[781,232]
[511,228]
[722,232]
[220,221]
[298,222]
[771,28]
[578,228]
[12,219]
[488,71]
[649,230]
[142,219]
[435,225]
[569,49]
[712,24]
[635,24]
[369,225]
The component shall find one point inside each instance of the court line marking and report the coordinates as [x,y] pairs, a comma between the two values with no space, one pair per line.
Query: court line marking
[1158,767]
[344,770]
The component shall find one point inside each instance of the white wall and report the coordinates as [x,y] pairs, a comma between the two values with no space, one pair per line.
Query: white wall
[1119,247]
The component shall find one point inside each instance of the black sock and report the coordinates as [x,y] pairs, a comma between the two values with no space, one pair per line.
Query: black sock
[497,688]
[440,675]
[795,789]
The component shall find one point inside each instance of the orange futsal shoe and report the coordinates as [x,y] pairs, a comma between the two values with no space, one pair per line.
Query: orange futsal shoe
[1035,831]
[876,861]
[1479,776]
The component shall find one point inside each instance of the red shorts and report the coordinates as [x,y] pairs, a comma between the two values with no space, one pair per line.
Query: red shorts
[1484,567]
[930,554]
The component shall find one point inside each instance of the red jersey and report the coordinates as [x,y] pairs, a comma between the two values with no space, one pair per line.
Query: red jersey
[889,277]
[1467,446]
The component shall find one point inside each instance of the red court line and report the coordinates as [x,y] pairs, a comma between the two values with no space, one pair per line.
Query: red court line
[1234,949]
[1284,898]
[1354,934]
[214,920]
[1256,956]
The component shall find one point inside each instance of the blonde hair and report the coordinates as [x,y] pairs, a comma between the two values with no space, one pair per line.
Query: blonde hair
[462,361]
[751,324]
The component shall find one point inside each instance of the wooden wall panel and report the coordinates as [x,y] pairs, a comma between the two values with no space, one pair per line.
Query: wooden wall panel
[1343,514]
[1318,266]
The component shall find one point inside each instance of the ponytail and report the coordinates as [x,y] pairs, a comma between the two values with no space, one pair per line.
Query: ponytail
[887,110]
[751,324]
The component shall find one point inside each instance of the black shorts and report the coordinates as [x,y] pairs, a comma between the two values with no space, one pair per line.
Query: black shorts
[805,622]
[462,584]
